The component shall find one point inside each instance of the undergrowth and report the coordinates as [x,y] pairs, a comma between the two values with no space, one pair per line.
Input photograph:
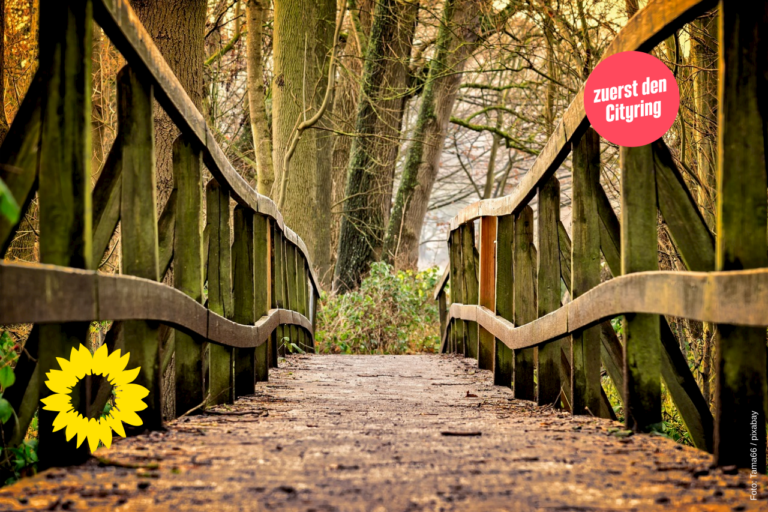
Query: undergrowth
[392,312]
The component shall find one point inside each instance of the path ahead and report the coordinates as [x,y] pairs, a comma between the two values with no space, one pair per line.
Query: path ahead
[365,433]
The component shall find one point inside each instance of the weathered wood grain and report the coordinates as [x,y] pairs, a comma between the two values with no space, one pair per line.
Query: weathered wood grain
[471,285]
[639,248]
[244,296]
[55,295]
[740,398]
[221,384]
[487,290]
[548,286]
[262,275]
[524,301]
[188,269]
[64,190]
[138,230]
[505,279]
[732,297]
[585,271]
[457,291]
[686,225]
[19,156]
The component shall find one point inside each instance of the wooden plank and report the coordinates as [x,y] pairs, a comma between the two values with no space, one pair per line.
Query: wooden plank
[221,384]
[262,284]
[243,291]
[443,280]
[650,26]
[138,233]
[106,197]
[639,247]
[503,355]
[457,292]
[585,272]
[165,234]
[740,398]
[64,191]
[303,272]
[19,156]
[524,302]
[188,269]
[487,291]
[293,292]
[686,225]
[610,238]
[471,285]
[548,286]
[278,290]
[441,305]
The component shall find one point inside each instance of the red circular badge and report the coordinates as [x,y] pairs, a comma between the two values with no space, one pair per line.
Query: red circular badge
[631,99]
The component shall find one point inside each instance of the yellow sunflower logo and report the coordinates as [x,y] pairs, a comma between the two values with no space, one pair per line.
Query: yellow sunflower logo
[128,397]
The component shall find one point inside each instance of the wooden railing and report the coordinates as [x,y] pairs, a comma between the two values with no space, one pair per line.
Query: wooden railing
[261,289]
[506,292]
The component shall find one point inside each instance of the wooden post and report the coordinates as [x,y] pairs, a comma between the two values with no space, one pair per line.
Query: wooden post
[740,397]
[188,269]
[221,371]
[504,356]
[524,301]
[471,286]
[304,302]
[457,290]
[262,237]
[243,291]
[293,292]
[138,233]
[487,341]
[278,291]
[585,272]
[548,296]
[64,192]
[639,248]
[442,311]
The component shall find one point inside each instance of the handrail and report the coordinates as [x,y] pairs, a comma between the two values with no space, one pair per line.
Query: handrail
[734,297]
[442,282]
[41,294]
[651,25]
[120,23]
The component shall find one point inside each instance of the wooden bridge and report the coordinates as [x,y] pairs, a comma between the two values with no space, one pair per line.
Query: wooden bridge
[388,433]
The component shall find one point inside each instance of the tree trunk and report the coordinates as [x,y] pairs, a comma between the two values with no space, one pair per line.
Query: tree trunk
[370,173]
[262,138]
[326,24]
[177,27]
[296,79]
[459,30]
[345,112]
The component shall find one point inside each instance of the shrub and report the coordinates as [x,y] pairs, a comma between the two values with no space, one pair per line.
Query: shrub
[391,313]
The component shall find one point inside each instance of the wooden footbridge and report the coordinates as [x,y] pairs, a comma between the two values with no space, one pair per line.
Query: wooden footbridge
[387,433]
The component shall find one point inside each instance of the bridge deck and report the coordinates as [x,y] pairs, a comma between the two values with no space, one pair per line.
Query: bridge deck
[361,433]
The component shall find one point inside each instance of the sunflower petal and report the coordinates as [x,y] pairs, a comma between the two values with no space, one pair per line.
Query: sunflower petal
[126,376]
[100,358]
[129,404]
[105,433]
[92,433]
[57,402]
[133,391]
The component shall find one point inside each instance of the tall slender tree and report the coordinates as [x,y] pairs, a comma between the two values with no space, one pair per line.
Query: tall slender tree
[370,173]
